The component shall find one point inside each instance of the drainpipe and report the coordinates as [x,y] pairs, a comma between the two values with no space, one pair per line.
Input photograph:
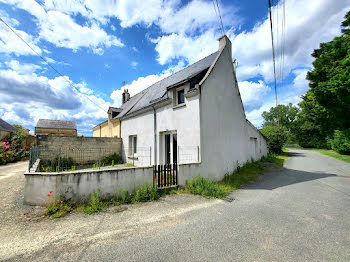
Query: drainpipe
[155,134]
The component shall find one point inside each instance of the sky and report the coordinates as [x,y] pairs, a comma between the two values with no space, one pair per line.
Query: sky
[99,44]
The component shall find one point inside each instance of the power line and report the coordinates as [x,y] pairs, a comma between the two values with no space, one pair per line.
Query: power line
[52,67]
[217,11]
[273,52]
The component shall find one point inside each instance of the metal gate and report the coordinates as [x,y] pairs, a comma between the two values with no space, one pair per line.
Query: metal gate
[165,175]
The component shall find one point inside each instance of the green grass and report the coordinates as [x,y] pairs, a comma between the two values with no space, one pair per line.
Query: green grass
[331,153]
[326,152]
[57,208]
[249,172]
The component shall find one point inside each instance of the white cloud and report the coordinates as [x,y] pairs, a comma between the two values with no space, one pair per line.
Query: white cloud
[253,94]
[59,28]
[134,63]
[26,97]
[22,68]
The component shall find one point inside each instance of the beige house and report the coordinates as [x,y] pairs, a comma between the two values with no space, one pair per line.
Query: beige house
[110,127]
[6,129]
[56,127]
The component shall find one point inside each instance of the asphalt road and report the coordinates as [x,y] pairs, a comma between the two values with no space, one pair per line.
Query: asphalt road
[298,213]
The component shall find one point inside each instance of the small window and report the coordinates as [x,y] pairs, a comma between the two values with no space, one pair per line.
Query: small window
[181,96]
[132,145]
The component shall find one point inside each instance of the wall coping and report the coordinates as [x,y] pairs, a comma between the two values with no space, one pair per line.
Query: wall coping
[84,171]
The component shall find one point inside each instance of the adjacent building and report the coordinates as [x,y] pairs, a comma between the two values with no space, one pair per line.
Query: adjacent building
[56,127]
[110,127]
[6,129]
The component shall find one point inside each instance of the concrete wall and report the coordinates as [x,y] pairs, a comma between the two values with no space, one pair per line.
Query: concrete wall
[184,120]
[79,148]
[78,185]
[55,132]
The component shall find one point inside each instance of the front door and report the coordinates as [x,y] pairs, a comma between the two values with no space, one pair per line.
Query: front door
[170,148]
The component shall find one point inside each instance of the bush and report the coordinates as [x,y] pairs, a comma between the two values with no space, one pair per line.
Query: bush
[57,208]
[277,137]
[340,142]
[112,159]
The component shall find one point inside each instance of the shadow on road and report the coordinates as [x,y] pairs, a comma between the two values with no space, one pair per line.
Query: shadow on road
[285,177]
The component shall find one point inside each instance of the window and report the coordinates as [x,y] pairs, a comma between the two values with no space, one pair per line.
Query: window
[180,96]
[132,145]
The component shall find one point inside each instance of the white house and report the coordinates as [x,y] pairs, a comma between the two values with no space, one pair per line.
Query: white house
[193,116]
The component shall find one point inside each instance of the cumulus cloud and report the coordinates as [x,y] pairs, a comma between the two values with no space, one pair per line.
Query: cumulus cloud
[27,96]
[59,28]
[253,94]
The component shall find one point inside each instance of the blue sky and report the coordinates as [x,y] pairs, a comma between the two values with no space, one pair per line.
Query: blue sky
[99,44]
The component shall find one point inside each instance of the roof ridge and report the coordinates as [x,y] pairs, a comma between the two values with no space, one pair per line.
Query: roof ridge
[175,73]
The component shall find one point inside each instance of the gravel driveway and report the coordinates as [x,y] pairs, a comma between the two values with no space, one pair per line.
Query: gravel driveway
[297,213]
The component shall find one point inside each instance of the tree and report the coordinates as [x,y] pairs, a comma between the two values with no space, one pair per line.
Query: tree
[325,107]
[330,77]
[276,137]
[284,115]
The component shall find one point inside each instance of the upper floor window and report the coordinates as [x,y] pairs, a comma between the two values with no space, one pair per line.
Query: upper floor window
[180,96]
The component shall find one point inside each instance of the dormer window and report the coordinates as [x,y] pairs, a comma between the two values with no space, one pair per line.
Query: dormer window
[180,96]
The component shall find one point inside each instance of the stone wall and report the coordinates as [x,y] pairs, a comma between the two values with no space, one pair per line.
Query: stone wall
[81,149]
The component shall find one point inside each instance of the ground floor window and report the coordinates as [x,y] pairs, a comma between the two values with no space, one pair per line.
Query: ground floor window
[132,145]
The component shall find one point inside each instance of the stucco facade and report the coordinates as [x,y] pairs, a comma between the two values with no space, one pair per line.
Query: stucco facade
[55,131]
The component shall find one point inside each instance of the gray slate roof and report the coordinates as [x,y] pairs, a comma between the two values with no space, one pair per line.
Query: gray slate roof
[4,126]
[59,124]
[157,91]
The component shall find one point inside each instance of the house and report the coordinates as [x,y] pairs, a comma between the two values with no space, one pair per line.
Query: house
[6,129]
[195,115]
[56,127]
[110,127]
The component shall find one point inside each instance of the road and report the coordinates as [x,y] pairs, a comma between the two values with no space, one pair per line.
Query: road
[297,213]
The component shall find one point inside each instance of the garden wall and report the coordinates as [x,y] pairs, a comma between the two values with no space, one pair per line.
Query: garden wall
[78,185]
[81,149]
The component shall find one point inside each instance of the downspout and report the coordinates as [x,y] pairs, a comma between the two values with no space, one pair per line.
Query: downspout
[155,134]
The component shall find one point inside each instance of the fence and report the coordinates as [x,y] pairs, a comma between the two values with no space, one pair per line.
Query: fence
[165,175]
[188,154]
[69,159]
[142,156]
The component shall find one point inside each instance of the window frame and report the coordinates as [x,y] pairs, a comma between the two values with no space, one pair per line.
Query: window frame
[133,145]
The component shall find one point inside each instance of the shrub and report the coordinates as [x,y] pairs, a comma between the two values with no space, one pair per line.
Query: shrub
[277,137]
[340,142]
[57,208]
[95,205]
[206,188]
[111,160]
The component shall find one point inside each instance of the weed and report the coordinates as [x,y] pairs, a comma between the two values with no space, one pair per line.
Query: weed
[206,188]
[95,205]
[57,208]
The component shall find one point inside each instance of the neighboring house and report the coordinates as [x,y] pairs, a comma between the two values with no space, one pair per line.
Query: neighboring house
[194,115]
[110,127]
[6,129]
[56,127]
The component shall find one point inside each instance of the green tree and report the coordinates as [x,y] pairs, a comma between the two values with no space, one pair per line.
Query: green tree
[284,115]
[330,77]
[276,137]
[325,106]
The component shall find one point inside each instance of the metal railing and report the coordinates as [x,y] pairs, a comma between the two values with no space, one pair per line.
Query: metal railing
[70,159]
[188,154]
[142,156]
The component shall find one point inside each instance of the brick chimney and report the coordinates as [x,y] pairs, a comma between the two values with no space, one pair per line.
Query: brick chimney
[125,96]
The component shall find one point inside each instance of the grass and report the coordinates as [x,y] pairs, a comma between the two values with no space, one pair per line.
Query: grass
[249,172]
[326,152]
[199,186]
